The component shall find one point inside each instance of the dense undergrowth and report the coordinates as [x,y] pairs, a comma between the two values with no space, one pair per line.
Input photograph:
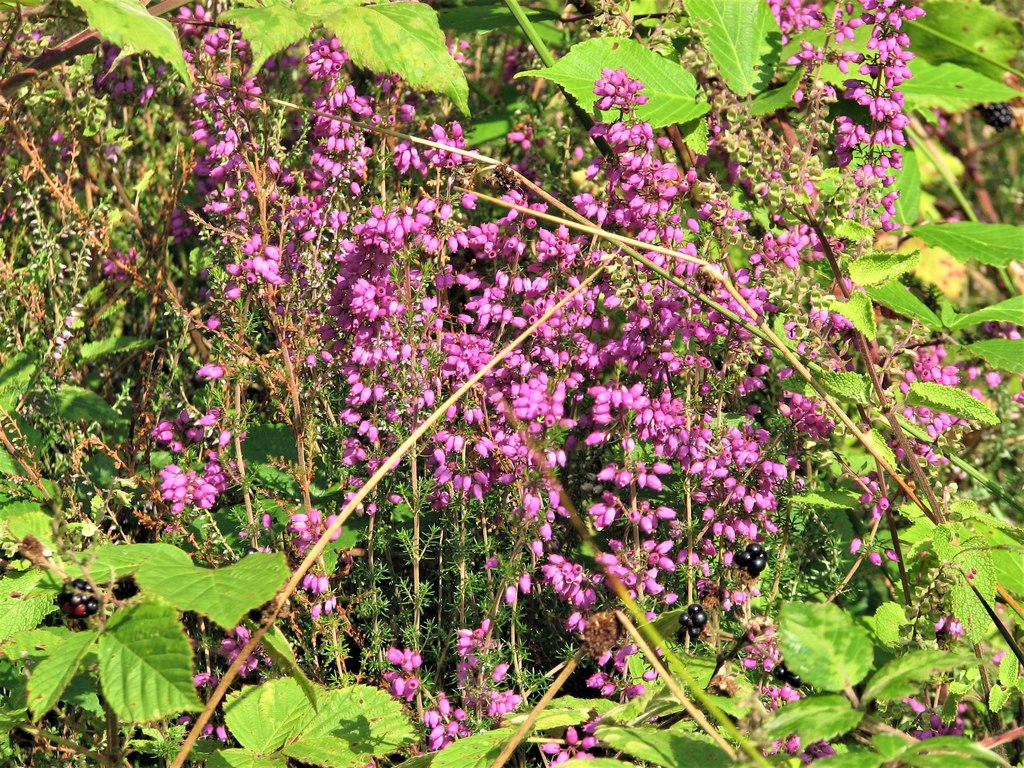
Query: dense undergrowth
[453,384]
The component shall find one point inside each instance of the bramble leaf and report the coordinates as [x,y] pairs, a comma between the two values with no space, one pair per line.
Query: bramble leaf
[129,25]
[671,90]
[904,676]
[1009,311]
[879,266]
[899,298]
[146,664]
[951,87]
[224,594]
[263,717]
[1004,354]
[662,747]
[52,675]
[814,718]
[823,645]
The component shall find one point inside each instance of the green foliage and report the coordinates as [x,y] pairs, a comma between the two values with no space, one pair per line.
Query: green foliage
[1009,311]
[993,244]
[224,594]
[671,89]
[956,402]
[882,266]
[969,33]
[899,298]
[859,311]
[815,718]
[742,38]
[146,664]
[51,676]
[952,88]
[663,747]
[130,26]
[1003,354]
[823,645]
[904,675]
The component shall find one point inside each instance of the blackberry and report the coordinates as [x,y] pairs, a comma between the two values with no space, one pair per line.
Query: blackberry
[782,673]
[997,115]
[125,587]
[757,564]
[742,559]
[698,618]
[753,559]
[78,599]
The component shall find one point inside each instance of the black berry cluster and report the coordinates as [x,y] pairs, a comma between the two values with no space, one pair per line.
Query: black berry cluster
[693,621]
[752,559]
[79,600]
[997,115]
[783,675]
[125,587]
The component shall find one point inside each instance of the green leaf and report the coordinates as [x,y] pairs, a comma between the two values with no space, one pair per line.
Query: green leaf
[908,184]
[887,623]
[661,747]
[487,16]
[1005,354]
[23,612]
[477,751]
[562,712]
[95,349]
[109,562]
[281,653]
[403,38]
[968,33]
[858,759]
[880,266]
[971,564]
[670,89]
[814,718]
[243,758]
[823,645]
[951,87]
[596,762]
[1009,311]
[263,717]
[52,675]
[743,39]
[858,310]
[843,385]
[129,25]
[351,726]
[899,298]
[945,751]
[774,100]
[955,402]
[77,404]
[879,444]
[269,28]
[993,244]
[14,379]
[827,500]
[146,664]
[904,676]
[224,594]
[848,229]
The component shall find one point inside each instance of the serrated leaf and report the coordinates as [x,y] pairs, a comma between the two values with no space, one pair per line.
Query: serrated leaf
[51,675]
[23,612]
[109,562]
[269,28]
[880,266]
[951,87]
[1004,354]
[223,594]
[487,16]
[1009,670]
[823,645]
[859,310]
[77,404]
[997,698]
[951,400]
[564,711]
[596,762]
[848,229]
[882,447]
[352,726]
[129,25]
[993,244]
[403,38]
[244,758]
[827,500]
[661,747]
[814,718]
[671,90]
[94,349]
[477,751]
[281,653]
[1009,311]
[146,664]
[743,39]
[899,298]
[904,676]
[263,717]
[845,385]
